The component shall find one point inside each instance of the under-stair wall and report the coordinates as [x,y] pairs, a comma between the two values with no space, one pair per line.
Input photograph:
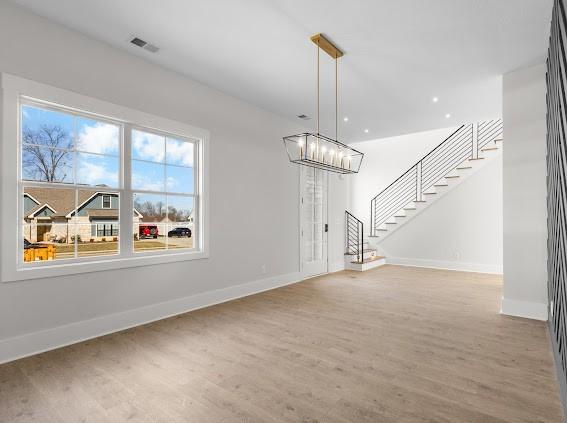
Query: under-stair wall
[461,231]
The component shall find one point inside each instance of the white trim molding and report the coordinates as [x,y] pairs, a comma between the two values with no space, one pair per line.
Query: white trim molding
[526,309]
[446,265]
[60,336]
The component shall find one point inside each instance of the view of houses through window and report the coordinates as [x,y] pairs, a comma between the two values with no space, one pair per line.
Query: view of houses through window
[71,186]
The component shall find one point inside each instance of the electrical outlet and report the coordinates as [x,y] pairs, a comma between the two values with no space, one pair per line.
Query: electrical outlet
[263,269]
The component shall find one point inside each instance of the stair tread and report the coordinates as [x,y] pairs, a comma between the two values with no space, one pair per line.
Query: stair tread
[410,208]
[441,185]
[489,148]
[429,193]
[464,167]
[366,250]
[452,176]
[477,158]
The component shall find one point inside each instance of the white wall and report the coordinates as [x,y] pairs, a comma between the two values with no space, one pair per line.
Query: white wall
[525,212]
[384,161]
[462,230]
[254,197]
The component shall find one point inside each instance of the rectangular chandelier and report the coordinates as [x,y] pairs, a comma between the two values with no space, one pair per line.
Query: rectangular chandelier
[316,150]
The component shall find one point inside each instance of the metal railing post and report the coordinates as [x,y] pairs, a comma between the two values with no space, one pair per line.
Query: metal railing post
[418,181]
[362,243]
[474,140]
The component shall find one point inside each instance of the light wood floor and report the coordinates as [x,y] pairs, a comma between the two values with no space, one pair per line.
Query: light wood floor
[395,344]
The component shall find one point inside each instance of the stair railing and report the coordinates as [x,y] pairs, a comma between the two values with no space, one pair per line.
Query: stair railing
[354,229]
[465,143]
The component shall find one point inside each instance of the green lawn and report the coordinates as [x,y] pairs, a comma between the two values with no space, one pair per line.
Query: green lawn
[106,246]
[88,247]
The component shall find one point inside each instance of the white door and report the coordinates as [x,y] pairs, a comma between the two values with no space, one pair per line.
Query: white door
[313,214]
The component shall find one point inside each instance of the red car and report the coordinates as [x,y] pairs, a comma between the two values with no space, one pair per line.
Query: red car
[148,231]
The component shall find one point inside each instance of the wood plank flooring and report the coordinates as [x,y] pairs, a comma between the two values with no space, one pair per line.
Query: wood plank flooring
[394,344]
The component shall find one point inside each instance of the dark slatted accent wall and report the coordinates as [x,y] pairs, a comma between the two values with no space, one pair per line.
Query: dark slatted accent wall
[557,185]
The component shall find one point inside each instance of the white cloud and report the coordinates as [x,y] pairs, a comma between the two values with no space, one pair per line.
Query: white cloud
[102,138]
[179,152]
[148,146]
[94,174]
[144,183]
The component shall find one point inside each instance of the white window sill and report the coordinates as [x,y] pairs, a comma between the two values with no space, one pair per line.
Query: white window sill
[51,269]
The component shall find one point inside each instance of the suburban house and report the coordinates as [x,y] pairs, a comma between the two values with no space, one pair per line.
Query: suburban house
[52,215]
[283,211]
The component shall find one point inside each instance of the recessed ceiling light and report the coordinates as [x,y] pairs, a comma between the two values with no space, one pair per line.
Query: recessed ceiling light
[366,131]
[448,115]
[435,99]
[345,119]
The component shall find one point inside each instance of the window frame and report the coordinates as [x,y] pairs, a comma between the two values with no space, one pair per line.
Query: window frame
[17,91]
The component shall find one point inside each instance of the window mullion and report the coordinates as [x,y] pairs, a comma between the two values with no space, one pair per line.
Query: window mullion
[126,200]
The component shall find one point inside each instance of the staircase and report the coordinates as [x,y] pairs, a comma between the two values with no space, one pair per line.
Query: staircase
[358,253]
[464,152]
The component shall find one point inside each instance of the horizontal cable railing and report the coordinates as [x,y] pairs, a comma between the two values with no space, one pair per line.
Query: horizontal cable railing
[354,237]
[465,143]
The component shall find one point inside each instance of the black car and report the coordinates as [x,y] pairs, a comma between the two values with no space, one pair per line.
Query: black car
[180,232]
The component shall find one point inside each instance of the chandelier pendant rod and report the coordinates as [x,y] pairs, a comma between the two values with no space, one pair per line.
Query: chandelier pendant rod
[336,98]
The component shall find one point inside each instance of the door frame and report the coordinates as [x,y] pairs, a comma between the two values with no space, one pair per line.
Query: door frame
[300,235]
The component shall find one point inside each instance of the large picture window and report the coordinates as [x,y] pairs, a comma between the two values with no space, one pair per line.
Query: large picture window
[74,179]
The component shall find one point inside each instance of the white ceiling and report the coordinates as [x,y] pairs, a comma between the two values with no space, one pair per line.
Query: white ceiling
[399,53]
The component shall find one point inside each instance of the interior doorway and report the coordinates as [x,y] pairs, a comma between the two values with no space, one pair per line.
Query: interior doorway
[313,221]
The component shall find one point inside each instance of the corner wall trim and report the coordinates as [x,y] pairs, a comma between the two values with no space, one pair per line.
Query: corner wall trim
[448,265]
[526,309]
[37,342]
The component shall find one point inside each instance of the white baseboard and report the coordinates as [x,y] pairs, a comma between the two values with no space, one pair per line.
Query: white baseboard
[529,310]
[49,339]
[336,267]
[448,265]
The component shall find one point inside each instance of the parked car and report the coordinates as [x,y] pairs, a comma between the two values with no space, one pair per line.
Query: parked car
[148,231]
[180,232]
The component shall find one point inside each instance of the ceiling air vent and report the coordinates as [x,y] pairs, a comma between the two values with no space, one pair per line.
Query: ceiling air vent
[144,44]
[303,117]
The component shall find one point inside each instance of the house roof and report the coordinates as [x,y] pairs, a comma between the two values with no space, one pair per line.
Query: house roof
[61,200]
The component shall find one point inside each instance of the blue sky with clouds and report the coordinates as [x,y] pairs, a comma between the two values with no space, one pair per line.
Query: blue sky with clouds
[160,163]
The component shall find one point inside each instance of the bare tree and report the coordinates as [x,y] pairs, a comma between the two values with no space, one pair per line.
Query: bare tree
[152,211]
[155,211]
[46,164]
[179,215]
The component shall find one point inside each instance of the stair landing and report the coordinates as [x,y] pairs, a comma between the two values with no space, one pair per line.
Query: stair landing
[369,262]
